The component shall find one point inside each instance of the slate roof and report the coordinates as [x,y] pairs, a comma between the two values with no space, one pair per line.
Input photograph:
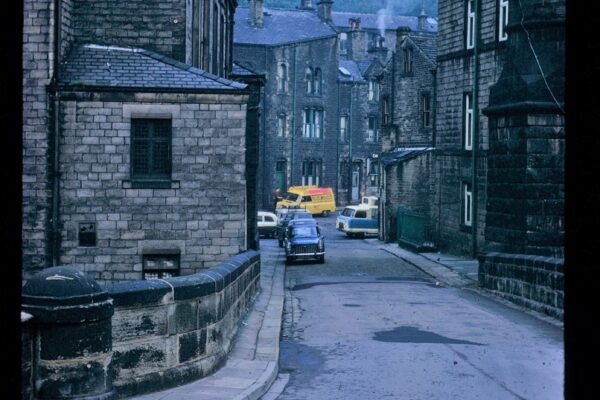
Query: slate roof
[369,21]
[402,154]
[240,70]
[352,67]
[120,67]
[426,42]
[280,26]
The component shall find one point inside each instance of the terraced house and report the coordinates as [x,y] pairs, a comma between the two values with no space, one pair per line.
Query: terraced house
[320,109]
[135,139]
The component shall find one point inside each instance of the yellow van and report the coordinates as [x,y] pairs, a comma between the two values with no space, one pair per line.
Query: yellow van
[314,199]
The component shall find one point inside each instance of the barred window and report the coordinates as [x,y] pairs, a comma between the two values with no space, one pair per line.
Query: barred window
[425,110]
[150,149]
[408,61]
[502,20]
[312,120]
[372,130]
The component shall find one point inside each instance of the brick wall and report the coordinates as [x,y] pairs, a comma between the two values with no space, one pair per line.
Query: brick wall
[535,282]
[203,214]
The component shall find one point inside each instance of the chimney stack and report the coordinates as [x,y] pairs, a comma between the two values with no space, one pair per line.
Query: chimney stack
[324,9]
[422,19]
[306,5]
[257,12]
[354,24]
[401,34]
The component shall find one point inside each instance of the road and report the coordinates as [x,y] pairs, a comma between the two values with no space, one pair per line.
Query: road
[366,325]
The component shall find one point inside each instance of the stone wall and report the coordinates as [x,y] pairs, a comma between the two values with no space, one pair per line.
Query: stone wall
[535,282]
[202,215]
[164,332]
[154,25]
[320,53]
[38,58]
[455,76]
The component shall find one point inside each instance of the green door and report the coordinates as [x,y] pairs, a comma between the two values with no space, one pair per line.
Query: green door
[280,176]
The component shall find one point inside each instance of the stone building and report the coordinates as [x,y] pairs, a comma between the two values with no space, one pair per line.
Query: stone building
[135,141]
[297,52]
[408,202]
[467,65]
[307,81]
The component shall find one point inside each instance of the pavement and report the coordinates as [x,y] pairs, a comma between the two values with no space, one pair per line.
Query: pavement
[253,364]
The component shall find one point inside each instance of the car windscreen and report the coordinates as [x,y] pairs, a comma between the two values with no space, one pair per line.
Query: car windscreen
[304,231]
[348,212]
[290,196]
[303,215]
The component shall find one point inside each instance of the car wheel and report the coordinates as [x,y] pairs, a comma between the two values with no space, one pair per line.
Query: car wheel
[361,235]
[325,213]
[349,234]
[280,242]
[288,260]
[321,260]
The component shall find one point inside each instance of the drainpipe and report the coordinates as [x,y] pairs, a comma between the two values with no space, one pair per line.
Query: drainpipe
[263,129]
[475,125]
[433,109]
[337,144]
[293,131]
[55,133]
[350,132]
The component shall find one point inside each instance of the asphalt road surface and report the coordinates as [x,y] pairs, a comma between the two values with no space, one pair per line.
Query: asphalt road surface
[366,325]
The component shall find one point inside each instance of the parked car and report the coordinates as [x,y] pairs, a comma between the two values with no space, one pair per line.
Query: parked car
[358,220]
[285,217]
[303,240]
[266,224]
[316,200]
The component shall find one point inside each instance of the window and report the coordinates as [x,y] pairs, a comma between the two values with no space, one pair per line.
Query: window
[87,234]
[313,123]
[282,75]
[468,122]
[317,81]
[502,20]
[386,111]
[408,60]
[470,24]
[309,80]
[343,43]
[467,209]
[373,172]
[372,130]
[343,128]
[150,150]
[373,94]
[160,266]
[281,125]
[373,37]
[426,110]
[311,172]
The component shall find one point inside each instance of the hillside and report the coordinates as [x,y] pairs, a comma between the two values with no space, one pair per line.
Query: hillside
[397,7]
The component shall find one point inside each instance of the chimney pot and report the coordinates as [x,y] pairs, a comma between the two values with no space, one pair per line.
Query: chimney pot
[306,4]
[401,33]
[324,9]
[422,19]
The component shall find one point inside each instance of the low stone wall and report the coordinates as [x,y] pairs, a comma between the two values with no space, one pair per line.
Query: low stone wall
[164,332]
[535,282]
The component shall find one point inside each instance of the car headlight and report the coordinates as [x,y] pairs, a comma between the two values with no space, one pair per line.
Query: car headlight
[321,245]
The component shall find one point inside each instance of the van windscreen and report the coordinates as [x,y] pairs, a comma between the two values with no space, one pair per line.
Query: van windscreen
[290,196]
[348,212]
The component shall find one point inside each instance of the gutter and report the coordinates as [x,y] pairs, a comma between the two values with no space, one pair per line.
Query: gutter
[132,89]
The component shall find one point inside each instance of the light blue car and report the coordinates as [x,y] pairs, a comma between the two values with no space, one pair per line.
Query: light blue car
[358,220]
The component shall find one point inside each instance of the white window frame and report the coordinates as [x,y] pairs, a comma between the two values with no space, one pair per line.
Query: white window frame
[312,122]
[467,204]
[426,110]
[311,171]
[317,81]
[372,133]
[344,128]
[371,94]
[308,74]
[470,24]
[408,60]
[282,76]
[502,20]
[468,122]
[281,125]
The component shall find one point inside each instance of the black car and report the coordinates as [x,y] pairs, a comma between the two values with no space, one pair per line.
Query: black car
[303,240]
[294,213]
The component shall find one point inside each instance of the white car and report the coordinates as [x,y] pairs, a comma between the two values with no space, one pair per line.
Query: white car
[266,223]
